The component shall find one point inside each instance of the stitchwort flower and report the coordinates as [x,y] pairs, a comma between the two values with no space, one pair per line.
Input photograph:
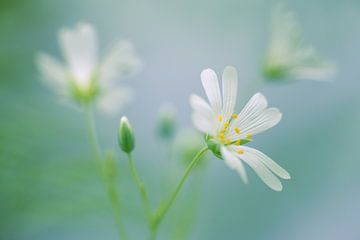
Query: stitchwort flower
[84,77]
[288,56]
[227,131]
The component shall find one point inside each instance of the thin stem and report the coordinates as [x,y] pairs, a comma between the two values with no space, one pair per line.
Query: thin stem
[110,186]
[163,210]
[141,187]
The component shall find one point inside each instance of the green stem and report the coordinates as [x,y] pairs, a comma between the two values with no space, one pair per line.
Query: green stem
[163,210]
[110,186]
[141,187]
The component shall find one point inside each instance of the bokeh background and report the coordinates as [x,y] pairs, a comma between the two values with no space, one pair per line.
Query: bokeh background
[49,187]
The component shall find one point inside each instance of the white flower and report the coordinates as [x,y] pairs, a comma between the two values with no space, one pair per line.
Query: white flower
[84,76]
[227,131]
[289,56]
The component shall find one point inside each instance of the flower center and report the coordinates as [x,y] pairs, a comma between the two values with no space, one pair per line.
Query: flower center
[222,135]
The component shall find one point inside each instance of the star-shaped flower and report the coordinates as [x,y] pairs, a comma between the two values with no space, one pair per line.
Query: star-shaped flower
[227,131]
[84,77]
[288,55]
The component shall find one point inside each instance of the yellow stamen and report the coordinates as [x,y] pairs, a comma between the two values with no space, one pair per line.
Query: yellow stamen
[248,135]
[237,130]
[240,151]
[228,141]
[234,115]
[238,142]
[226,125]
[220,118]
[221,135]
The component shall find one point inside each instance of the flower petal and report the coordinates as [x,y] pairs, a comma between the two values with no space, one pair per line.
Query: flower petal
[229,87]
[212,89]
[200,106]
[120,61]
[52,72]
[256,105]
[234,163]
[265,120]
[79,46]
[203,124]
[259,167]
[114,100]
[272,165]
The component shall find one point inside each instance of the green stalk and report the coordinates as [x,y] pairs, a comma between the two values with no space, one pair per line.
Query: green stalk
[143,193]
[163,209]
[110,185]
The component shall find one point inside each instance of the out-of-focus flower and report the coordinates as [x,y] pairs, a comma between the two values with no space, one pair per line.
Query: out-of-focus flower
[126,138]
[288,56]
[166,122]
[227,131]
[84,76]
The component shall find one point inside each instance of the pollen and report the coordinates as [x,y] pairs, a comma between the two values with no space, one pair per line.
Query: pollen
[221,135]
[228,141]
[238,142]
[240,151]
[234,115]
[248,135]
[226,125]
[220,118]
[237,130]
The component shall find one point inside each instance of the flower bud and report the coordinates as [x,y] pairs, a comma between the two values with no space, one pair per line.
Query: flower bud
[126,137]
[166,121]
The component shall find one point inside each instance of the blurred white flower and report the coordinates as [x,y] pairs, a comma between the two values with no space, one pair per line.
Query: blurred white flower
[227,132]
[288,56]
[85,77]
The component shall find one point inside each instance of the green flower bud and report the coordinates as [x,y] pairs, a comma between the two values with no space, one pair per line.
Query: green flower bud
[166,121]
[126,137]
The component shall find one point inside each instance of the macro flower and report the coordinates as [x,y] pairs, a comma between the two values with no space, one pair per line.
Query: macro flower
[227,131]
[288,56]
[84,76]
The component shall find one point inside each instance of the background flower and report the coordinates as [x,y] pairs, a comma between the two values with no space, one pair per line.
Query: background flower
[84,76]
[288,55]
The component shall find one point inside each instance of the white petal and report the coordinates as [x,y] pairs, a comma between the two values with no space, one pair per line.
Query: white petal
[234,163]
[200,106]
[229,87]
[314,72]
[203,124]
[79,46]
[265,120]
[120,61]
[211,85]
[256,105]
[114,100]
[52,72]
[261,170]
[272,165]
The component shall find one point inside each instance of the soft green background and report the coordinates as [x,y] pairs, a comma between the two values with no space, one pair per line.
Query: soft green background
[49,188]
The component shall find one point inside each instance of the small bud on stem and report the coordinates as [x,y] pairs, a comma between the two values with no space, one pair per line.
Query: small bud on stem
[126,137]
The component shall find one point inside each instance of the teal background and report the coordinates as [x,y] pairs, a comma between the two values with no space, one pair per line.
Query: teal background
[49,187]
